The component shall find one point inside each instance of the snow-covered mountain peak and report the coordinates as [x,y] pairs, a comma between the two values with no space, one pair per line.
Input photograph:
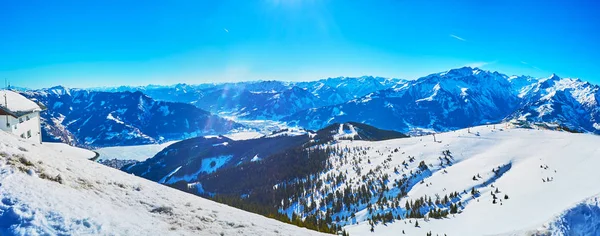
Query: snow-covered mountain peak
[467,75]
[60,90]
[554,77]
[461,72]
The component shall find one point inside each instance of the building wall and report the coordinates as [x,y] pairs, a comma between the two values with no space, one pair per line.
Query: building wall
[27,126]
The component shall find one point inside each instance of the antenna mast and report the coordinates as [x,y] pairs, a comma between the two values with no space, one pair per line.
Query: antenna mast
[6,106]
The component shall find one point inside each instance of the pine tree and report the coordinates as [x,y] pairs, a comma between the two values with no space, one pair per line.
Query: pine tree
[416,223]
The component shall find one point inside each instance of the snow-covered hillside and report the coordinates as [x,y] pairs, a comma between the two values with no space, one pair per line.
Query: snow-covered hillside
[581,219]
[508,181]
[48,192]
[136,153]
[498,178]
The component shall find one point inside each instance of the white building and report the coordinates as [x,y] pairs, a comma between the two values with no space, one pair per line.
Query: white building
[20,116]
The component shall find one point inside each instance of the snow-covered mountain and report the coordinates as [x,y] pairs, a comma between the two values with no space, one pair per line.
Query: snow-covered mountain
[443,101]
[342,89]
[570,103]
[96,119]
[465,97]
[264,99]
[50,190]
[259,104]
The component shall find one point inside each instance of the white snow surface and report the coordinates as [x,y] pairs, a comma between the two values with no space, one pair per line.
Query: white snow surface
[292,131]
[16,102]
[345,133]
[570,160]
[244,135]
[581,219]
[97,200]
[138,152]
[68,150]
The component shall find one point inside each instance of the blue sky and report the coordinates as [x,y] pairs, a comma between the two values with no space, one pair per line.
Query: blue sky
[108,43]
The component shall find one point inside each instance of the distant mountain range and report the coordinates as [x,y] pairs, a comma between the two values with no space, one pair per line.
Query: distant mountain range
[97,119]
[444,101]
[264,99]
[466,97]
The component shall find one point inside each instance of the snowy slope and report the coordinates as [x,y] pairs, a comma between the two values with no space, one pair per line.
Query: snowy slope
[71,151]
[528,159]
[581,219]
[544,174]
[137,152]
[45,192]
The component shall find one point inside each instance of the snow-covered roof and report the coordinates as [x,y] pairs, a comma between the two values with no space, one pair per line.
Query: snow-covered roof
[17,104]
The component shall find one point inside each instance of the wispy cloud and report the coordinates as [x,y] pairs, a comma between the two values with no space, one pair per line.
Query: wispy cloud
[480,64]
[477,64]
[532,66]
[459,38]
[226,30]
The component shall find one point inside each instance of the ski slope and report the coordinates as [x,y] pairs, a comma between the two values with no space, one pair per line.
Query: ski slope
[47,192]
[544,174]
[71,151]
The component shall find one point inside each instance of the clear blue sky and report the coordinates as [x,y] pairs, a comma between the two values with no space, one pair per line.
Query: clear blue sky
[105,43]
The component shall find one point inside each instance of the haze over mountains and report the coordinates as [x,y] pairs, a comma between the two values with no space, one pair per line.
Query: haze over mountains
[265,99]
